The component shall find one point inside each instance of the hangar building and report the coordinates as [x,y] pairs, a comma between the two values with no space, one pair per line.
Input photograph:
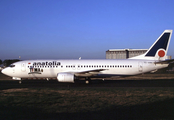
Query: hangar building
[123,53]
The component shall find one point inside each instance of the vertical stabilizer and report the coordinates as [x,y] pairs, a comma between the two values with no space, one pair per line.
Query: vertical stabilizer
[158,50]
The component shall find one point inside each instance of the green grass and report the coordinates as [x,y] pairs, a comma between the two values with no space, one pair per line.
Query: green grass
[136,103]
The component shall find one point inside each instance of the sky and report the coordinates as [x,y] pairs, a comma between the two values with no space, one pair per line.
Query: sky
[69,29]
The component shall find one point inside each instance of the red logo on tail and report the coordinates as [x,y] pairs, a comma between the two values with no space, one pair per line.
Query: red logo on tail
[161,53]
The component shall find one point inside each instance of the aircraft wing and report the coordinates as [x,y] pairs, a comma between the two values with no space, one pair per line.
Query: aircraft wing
[88,72]
[165,62]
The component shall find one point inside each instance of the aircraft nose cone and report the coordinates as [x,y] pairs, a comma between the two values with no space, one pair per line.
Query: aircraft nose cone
[4,71]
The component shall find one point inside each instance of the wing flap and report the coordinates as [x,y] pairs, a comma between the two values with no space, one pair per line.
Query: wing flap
[88,72]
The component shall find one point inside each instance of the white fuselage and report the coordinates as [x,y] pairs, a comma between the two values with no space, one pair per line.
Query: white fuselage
[80,68]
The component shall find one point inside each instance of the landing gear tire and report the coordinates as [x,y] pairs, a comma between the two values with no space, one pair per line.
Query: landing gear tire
[87,80]
[20,81]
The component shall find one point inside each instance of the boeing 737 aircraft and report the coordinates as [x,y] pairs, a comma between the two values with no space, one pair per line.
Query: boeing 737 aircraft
[70,70]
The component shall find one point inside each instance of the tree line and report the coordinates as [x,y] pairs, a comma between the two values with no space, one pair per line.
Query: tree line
[8,62]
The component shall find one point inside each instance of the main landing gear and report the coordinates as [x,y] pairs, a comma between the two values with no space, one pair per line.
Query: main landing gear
[87,80]
[20,81]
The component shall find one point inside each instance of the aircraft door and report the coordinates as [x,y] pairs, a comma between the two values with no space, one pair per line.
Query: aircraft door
[140,66]
[23,67]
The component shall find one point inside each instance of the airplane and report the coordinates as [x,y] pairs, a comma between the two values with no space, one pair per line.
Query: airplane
[70,70]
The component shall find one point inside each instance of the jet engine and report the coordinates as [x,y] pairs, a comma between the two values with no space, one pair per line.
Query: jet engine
[65,77]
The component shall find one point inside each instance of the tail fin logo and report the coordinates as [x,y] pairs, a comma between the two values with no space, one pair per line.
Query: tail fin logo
[159,48]
[161,53]
[161,43]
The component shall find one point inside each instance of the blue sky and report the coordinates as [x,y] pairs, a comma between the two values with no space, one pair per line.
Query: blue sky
[69,29]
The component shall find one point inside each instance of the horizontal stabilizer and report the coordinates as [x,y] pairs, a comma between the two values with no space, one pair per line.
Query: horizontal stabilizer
[165,62]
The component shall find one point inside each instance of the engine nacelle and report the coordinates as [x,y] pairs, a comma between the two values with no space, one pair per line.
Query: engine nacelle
[65,77]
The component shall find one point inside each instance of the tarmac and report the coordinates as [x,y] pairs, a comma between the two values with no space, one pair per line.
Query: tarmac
[8,84]
[157,110]
[145,80]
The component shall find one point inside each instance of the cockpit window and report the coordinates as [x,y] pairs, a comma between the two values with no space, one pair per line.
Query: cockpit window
[12,65]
